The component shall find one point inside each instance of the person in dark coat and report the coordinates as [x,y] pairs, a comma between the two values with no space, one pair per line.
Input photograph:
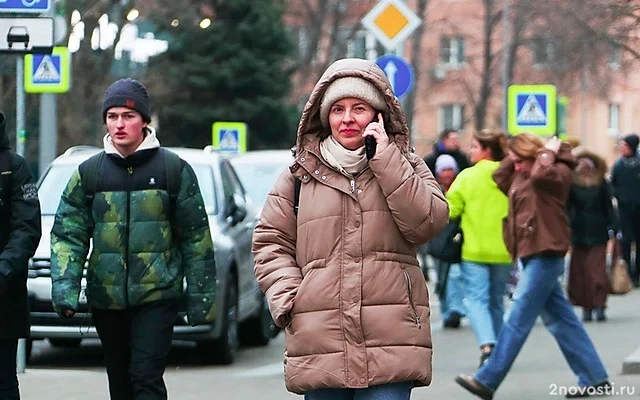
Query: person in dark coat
[593,222]
[625,181]
[19,236]
[448,143]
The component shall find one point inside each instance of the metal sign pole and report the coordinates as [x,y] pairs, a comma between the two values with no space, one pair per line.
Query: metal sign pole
[21,356]
[505,64]
[20,106]
[48,135]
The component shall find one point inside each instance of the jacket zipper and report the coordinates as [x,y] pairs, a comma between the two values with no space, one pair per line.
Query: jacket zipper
[127,231]
[409,290]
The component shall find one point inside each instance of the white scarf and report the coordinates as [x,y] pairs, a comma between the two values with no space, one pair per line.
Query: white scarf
[348,162]
[150,142]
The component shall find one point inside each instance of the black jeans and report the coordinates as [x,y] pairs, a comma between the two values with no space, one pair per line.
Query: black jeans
[136,342]
[8,376]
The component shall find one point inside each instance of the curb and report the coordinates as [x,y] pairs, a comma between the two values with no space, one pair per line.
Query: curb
[631,365]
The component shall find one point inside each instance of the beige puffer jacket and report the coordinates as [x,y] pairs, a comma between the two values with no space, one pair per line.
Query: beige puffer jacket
[342,277]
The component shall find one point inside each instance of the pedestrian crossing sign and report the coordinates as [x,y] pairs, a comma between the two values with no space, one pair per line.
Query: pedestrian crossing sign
[47,73]
[532,108]
[229,137]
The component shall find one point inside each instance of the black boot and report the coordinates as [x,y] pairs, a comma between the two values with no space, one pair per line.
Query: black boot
[586,315]
[600,315]
[453,321]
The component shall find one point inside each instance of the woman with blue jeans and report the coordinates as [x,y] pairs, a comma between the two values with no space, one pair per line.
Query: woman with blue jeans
[486,264]
[537,178]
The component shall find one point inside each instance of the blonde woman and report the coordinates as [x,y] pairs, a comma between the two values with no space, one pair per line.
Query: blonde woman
[486,264]
[537,178]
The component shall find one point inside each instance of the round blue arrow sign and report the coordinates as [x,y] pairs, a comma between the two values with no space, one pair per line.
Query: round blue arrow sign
[399,73]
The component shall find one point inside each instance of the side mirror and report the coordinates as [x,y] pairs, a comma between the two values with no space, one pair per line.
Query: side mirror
[237,209]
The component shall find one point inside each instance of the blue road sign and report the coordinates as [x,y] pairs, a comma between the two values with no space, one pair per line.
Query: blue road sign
[398,71]
[229,140]
[46,69]
[25,6]
[531,109]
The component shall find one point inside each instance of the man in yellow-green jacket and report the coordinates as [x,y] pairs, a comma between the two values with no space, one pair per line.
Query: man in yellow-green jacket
[486,264]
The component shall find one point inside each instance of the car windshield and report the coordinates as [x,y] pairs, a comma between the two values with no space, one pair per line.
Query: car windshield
[54,183]
[259,178]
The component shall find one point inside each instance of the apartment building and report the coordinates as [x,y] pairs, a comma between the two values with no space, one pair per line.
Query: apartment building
[601,107]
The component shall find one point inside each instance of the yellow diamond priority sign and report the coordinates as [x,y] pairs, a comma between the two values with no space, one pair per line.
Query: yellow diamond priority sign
[391,22]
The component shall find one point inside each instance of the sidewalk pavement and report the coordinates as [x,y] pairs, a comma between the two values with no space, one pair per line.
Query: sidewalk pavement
[539,370]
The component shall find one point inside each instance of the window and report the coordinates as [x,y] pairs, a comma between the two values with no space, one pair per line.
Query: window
[544,51]
[357,47]
[615,57]
[233,190]
[451,116]
[614,119]
[452,50]
[301,36]
[350,44]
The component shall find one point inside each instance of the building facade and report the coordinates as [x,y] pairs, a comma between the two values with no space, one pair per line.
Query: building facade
[455,69]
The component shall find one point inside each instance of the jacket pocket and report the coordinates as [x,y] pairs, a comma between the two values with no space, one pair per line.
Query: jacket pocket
[315,264]
[414,311]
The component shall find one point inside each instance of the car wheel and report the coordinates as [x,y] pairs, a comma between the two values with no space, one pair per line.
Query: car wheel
[260,329]
[64,342]
[224,349]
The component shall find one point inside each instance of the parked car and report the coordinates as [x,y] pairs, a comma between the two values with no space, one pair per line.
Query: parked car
[258,171]
[242,314]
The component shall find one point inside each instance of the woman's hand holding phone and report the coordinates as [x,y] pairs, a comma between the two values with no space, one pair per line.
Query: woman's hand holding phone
[376,130]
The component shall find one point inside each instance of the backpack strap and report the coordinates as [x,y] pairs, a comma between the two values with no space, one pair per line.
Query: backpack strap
[296,195]
[173,173]
[5,192]
[89,171]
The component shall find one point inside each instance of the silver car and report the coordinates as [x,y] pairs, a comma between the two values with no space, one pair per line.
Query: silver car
[242,314]
[258,171]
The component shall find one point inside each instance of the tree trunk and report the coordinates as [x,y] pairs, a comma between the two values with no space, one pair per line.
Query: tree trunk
[487,61]
[416,64]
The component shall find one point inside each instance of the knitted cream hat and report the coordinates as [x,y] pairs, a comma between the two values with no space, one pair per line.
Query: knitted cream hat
[350,86]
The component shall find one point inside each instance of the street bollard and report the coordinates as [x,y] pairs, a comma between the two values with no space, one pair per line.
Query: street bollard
[21,356]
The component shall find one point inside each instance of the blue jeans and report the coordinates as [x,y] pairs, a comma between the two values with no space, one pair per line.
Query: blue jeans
[389,391]
[452,299]
[486,286]
[8,377]
[539,293]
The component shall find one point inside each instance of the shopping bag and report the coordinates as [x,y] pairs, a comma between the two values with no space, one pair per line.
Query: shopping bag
[619,279]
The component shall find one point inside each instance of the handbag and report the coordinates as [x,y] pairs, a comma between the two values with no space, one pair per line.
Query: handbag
[447,245]
[619,279]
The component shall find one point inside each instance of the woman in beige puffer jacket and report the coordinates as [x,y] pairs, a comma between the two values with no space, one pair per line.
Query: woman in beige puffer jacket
[342,277]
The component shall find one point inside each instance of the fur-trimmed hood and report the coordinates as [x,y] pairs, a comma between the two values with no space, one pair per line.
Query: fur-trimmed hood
[310,127]
[598,174]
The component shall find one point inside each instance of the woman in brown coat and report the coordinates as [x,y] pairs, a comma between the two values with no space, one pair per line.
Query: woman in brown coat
[342,276]
[536,177]
[593,221]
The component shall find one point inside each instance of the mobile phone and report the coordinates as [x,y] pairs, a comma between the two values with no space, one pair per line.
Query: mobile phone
[370,147]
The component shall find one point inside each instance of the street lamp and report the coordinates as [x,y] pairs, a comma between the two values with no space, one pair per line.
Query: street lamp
[133,14]
[205,23]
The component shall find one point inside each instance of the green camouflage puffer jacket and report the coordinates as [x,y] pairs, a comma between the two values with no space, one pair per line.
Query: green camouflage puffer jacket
[138,256]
